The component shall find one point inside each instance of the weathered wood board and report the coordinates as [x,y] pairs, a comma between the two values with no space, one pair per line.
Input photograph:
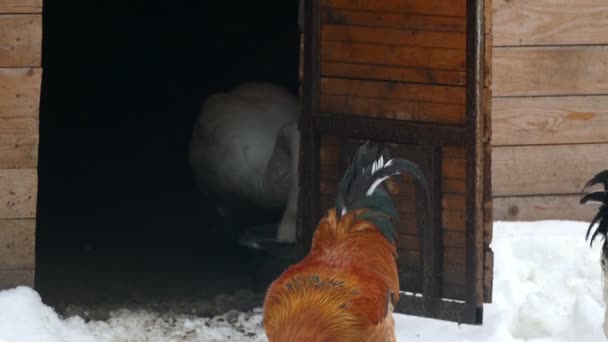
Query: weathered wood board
[18,193]
[18,143]
[537,71]
[20,6]
[17,247]
[13,278]
[20,40]
[539,207]
[550,120]
[20,92]
[546,169]
[550,22]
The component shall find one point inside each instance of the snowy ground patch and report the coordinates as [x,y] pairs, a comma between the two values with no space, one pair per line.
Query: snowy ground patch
[547,287]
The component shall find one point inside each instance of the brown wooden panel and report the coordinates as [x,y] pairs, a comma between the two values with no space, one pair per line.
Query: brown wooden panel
[550,22]
[566,70]
[431,7]
[20,40]
[17,249]
[454,202]
[20,6]
[14,278]
[391,36]
[392,73]
[393,90]
[20,92]
[488,275]
[393,20]
[330,154]
[454,152]
[454,220]
[532,208]
[453,186]
[545,169]
[393,109]
[550,120]
[18,193]
[18,143]
[393,55]
[454,168]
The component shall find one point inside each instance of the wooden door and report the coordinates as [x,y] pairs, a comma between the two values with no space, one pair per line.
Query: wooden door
[412,74]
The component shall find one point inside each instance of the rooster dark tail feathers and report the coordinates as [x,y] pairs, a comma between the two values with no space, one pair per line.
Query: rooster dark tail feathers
[601,218]
[362,186]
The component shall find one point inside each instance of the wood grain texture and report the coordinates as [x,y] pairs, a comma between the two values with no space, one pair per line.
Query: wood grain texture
[532,208]
[537,71]
[393,90]
[20,6]
[17,244]
[18,193]
[20,92]
[550,22]
[13,278]
[18,143]
[550,120]
[392,73]
[545,169]
[391,36]
[431,7]
[393,55]
[393,109]
[20,40]
[393,20]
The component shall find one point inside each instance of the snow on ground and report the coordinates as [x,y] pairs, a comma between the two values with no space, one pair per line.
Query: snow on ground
[547,287]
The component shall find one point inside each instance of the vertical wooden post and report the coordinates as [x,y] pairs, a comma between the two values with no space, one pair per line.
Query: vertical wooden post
[475,158]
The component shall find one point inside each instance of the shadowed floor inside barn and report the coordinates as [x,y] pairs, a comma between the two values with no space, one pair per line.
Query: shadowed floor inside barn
[120,219]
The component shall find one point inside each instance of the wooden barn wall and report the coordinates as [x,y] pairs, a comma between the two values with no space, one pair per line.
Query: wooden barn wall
[20,78]
[550,106]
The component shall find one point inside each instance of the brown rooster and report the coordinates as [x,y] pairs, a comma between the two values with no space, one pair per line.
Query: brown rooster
[346,287]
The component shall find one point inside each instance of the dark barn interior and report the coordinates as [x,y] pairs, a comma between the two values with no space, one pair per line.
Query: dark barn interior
[120,219]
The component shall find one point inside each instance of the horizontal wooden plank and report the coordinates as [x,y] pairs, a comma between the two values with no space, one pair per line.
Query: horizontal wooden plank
[392,73]
[17,249]
[453,186]
[402,132]
[393,55]
[18,193]
[545,169]
[20,6]
[549,120]
[453,202]
[18,143]
[449,239]
[20,92]
[393,90]
[564,70]
[430,7]
[453,168]
[20,40]
[454,152]
[550,22]
[393,109]
[391,36]
[13,278]
[450,256]
[393,20]
[329,154]
[533,208]
[454,220]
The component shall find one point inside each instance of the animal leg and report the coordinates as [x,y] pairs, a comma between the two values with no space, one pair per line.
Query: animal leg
[287,227]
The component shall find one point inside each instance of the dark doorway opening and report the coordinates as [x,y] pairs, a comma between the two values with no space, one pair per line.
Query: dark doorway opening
[120,219]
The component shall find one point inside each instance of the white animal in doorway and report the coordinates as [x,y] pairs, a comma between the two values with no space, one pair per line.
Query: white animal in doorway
[245,149]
